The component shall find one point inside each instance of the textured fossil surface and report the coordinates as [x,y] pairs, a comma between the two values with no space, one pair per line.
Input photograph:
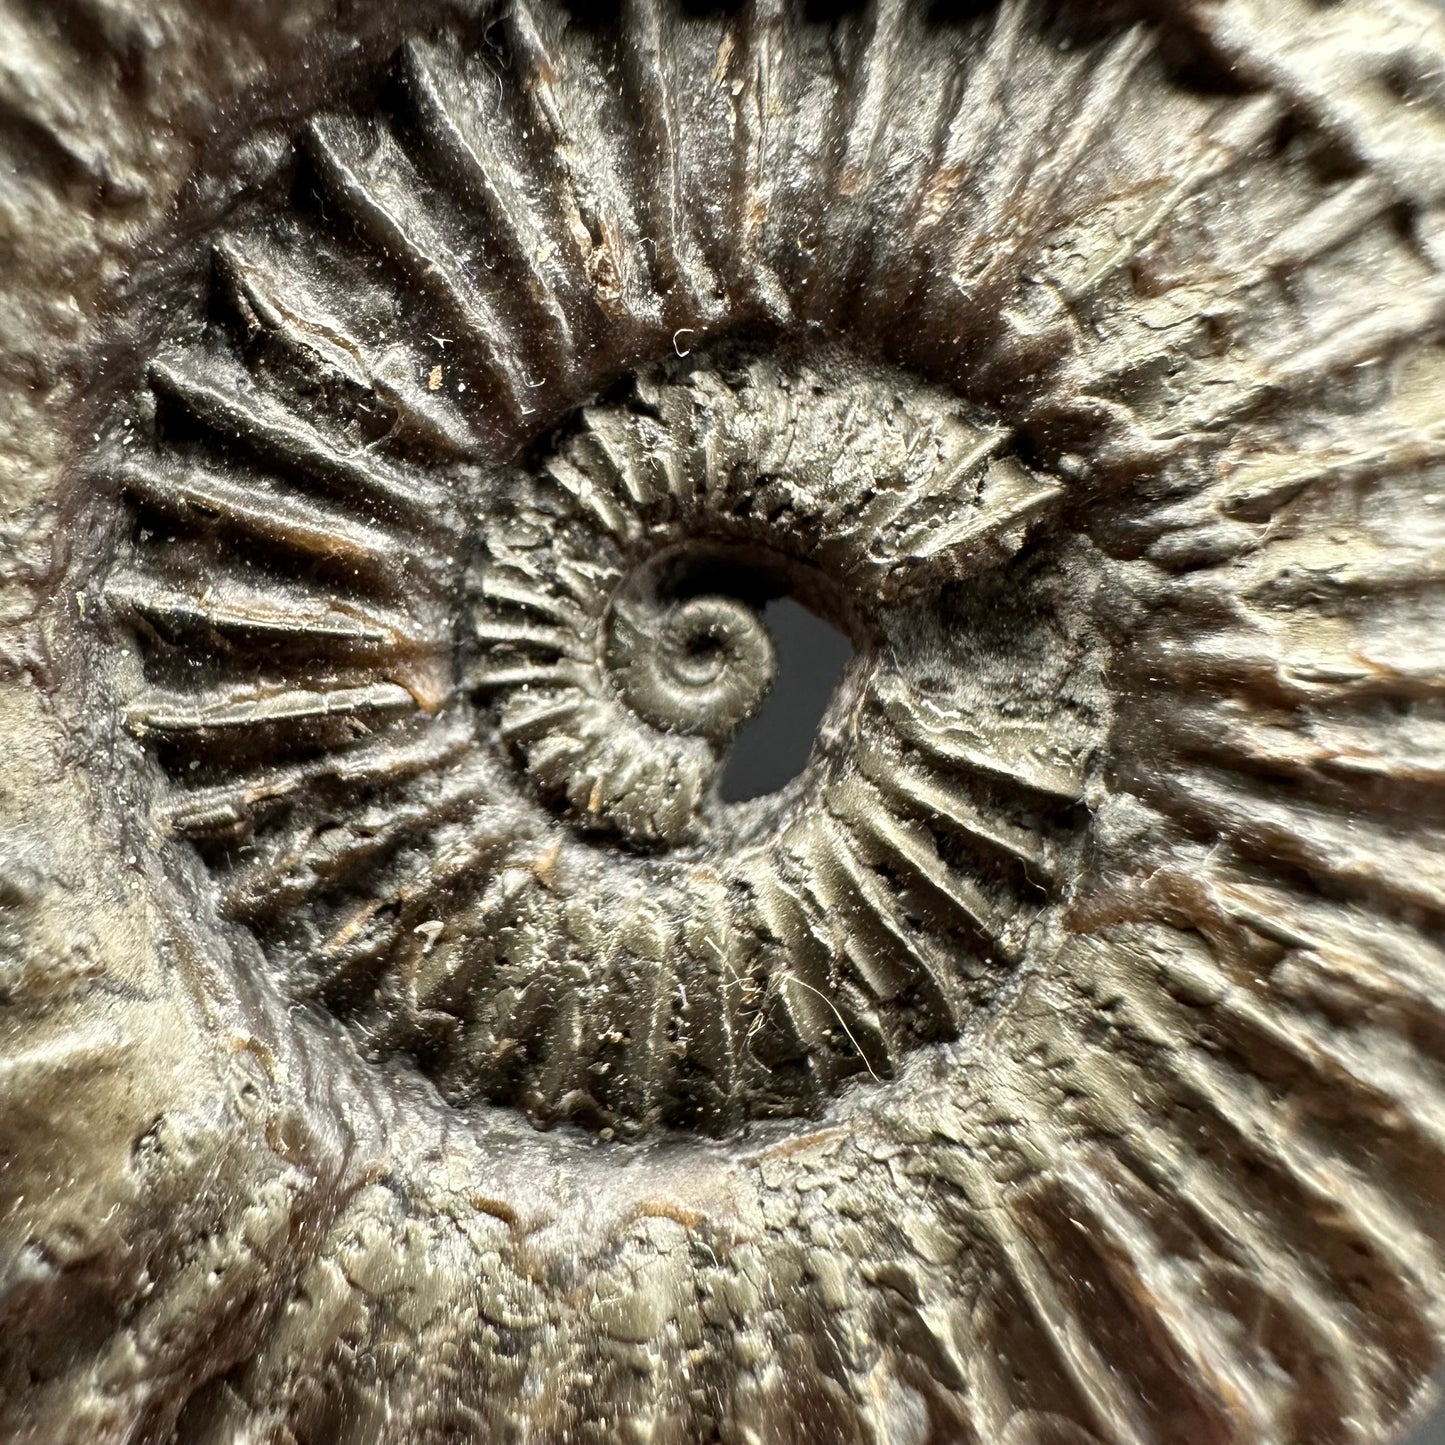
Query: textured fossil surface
[408,416]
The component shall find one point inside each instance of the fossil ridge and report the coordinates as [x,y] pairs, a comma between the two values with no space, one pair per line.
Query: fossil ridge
[400,1037]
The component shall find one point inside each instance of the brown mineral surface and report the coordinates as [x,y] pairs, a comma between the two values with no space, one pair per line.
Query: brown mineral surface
[409,415]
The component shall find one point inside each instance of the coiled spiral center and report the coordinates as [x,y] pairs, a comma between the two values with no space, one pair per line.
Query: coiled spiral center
[699,667]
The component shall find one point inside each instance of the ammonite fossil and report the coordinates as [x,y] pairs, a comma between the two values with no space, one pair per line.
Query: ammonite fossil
[411,412]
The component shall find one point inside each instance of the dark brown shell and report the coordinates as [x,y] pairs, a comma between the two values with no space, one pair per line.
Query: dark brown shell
[403,1041]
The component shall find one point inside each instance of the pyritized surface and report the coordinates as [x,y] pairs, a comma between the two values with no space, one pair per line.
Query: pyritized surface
[1058,1058]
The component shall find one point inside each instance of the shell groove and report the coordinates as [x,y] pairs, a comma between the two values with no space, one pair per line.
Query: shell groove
[1098,944]
[762,954]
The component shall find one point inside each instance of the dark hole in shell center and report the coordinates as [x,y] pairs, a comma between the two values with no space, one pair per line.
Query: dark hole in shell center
[774,745]
[797,605]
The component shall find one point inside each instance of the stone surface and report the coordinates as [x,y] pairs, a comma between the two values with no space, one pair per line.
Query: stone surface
[405,413]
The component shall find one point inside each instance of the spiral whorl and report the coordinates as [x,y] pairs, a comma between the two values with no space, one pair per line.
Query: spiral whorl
[700,666]
[1067,1033]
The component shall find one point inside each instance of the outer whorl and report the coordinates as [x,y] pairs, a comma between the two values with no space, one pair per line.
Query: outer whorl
[1058,1059]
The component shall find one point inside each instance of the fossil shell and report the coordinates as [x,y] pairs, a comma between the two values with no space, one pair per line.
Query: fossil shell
[1058,1058]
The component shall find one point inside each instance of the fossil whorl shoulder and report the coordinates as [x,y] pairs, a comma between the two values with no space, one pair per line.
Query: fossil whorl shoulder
[619,676]
[563,914]
[752,968]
